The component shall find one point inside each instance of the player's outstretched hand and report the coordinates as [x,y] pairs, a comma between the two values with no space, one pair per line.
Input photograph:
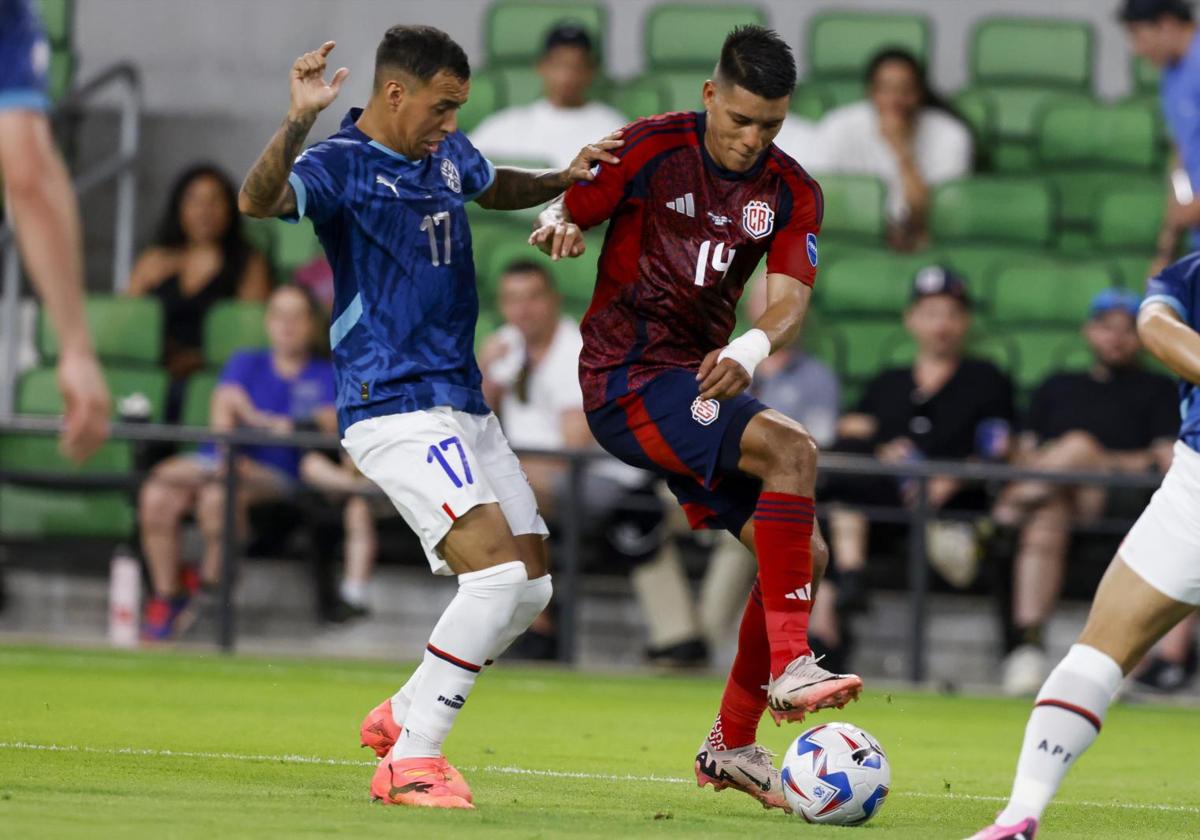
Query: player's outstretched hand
[310,92]
[559,240]
[86,404]
[580,169]
[721,380]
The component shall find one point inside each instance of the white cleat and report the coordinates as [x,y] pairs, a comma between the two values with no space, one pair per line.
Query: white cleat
[750,769]
[804,686]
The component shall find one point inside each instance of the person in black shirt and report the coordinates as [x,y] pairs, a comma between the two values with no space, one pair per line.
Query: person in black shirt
[943,406]
[1113,416]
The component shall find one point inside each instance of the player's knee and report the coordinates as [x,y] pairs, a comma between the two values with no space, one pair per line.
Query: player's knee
[497,590]
[793,451]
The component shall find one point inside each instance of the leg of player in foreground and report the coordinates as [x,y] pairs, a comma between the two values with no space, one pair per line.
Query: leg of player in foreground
[1152,583]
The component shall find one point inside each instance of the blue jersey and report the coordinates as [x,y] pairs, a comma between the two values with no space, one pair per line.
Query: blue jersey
[26,58]
[1180,90]
[1178,286]
[405,303]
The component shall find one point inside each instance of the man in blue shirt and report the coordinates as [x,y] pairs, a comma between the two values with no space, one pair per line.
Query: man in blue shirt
[1163,32]
[1151,585]
[386,195]
[45,216]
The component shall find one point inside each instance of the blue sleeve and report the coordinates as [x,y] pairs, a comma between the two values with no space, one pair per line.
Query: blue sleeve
[328,390]
[476,171]
[317,178]
[239,370]
[23,73]
[1172,286]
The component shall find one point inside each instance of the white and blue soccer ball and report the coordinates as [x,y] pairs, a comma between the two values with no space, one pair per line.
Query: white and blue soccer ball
[836,774]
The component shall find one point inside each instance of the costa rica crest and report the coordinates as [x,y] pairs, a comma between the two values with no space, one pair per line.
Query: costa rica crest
[758,219]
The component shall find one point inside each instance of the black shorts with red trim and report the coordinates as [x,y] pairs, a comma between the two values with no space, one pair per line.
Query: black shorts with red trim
[695,444]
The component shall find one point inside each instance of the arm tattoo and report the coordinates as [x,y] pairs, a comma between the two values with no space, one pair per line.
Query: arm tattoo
[266,190]
[516,189]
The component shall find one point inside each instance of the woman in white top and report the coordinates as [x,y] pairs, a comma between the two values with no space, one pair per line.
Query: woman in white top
[903,133]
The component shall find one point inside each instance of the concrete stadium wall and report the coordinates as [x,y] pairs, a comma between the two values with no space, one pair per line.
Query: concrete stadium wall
[215,71]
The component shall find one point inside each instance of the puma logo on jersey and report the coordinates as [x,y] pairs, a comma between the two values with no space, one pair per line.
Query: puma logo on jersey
[804,593]
[685,204]
[391,185]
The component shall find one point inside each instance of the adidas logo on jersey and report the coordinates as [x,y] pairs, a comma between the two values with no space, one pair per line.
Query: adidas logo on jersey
[685,204]
[804,593]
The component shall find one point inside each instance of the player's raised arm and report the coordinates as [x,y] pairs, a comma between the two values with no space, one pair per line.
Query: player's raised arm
[727,372]
[266,191]
[1171,340]
[516,189]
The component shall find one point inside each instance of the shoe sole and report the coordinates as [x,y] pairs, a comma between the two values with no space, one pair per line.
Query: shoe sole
[703,779]
[461,805]
[832,694]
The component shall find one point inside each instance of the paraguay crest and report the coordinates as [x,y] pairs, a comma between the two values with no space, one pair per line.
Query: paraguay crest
[450,175]
[758,219]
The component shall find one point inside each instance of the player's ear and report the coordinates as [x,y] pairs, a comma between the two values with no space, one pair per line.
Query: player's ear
[708,94]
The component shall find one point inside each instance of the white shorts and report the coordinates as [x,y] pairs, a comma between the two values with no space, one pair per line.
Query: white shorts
[1163,546]
[436,465]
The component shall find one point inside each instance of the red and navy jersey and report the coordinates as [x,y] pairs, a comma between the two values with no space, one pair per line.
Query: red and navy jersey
[685,236]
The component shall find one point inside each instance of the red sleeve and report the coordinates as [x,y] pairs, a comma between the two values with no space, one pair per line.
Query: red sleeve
[794,249]
[593,202]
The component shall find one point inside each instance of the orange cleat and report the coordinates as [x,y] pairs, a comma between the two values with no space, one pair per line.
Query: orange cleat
[423,782]
[379,729]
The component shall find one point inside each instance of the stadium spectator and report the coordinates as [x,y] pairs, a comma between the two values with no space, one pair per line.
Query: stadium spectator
[1163,32]
[945,405]
[1114,416]
[554,128]
[905,134]
[530,368]
[198,258]
[269,390]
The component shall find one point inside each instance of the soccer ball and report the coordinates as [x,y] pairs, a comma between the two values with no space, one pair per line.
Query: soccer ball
[837,774]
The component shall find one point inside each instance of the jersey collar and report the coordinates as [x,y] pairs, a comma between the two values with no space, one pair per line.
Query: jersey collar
[350,129]
[714,167]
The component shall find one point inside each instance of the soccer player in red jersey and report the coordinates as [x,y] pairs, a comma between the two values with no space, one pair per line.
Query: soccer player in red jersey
[695,202]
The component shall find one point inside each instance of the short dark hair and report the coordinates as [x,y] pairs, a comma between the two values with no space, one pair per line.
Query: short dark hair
[568,34]
[422,52]
[757,59]
[1148,11]
[531,267]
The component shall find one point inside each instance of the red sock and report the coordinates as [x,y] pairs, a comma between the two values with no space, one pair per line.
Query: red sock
[745,698]
[783,529]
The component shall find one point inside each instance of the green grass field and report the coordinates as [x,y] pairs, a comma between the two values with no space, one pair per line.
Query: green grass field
[99,744]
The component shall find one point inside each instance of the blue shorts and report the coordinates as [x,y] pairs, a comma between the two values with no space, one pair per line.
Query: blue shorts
[695,445]
[26,58]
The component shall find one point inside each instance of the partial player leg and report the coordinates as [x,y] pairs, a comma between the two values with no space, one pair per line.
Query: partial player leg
[783,455]
[1128,616]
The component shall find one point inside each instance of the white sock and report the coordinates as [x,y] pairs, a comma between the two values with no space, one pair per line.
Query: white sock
[535,596]
[1066,718]
[461,642]
[354,592]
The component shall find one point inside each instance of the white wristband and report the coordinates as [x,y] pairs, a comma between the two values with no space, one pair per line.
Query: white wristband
[748,350]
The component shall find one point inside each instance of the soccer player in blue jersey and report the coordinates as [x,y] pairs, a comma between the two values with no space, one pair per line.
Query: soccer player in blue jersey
[1150,586]
[386,195]
[45,217]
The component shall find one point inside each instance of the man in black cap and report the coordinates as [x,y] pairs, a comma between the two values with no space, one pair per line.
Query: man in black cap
[1163,32]
[944,405]
[544,131]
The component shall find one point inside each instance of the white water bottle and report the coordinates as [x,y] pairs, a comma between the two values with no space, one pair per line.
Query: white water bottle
[124,598]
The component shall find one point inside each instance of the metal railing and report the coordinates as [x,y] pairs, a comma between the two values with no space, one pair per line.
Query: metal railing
[567,565]
[125,81]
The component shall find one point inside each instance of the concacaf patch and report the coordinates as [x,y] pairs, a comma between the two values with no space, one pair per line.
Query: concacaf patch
[810,242]
[705,412]
[758,219]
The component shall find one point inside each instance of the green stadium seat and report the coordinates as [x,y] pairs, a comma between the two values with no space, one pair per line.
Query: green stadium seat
[1129,216]
[875,284]
[1080,192]
[233,325]
[1032,51]
[62,71]
[867,343]
[811,100]
[124,329]
[1133,271]
[197,396]
[57,20]
[854,206]
[1044,294]
[1146,77]
[37,390]
[487,96]
[838,92]
[1005,120]
[523,85]
[841,44]
[640,97]
[259,233]
[1015,211]
[1042,352]
[978,262]
[1093,134]
[293,246]
[516,31]
[682,36]
[683,88]
[821,342]
[988,346]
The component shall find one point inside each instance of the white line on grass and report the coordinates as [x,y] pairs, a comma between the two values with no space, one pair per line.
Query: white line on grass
[517,771]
